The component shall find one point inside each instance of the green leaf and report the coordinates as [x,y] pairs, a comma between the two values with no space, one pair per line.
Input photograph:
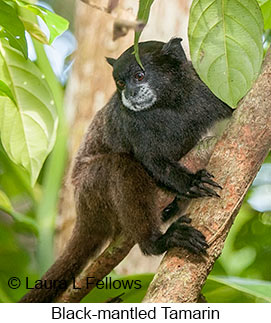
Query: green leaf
[55,23]
[261,2]
[5,90]
[13,29]
[26,221]
[266,11]
[266,218]
[219,293]
[256,288]
[35,31]
[28,124]
[5,202]
[142,15]
[138,288]
[14,179]
[143,12]
[29,19]
[225,38]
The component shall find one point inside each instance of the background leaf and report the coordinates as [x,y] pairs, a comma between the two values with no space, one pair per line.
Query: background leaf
[256,288]
[13,30]
[28,125]
[226,49]
[266,11]
[5,202]
[55,23]
[132,295]
[35,31]
[5,91]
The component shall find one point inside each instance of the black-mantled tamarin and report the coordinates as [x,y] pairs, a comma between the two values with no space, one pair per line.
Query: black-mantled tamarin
[132,146]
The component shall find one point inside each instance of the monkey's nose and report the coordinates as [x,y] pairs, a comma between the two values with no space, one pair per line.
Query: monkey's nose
[130,91]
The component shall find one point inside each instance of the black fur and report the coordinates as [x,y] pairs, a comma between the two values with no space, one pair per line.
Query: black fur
[159,136]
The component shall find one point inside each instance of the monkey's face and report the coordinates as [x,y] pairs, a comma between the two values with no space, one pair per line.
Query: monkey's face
[133,84]
[136,92]
[140,90]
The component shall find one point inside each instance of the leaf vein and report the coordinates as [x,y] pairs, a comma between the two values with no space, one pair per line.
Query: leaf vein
[202,13]
[38,99]
[205,36]
[35,121]
[237,22]
[251,13]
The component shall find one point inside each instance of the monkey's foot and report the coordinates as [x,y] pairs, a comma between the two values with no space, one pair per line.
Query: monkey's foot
[198,186]
[181,234]
[170,210]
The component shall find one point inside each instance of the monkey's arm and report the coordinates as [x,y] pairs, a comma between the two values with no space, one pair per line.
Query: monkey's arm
[178,178]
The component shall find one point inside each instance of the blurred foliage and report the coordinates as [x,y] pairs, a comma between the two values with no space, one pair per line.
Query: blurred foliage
[133,294]
[29,211]
[67,11]
[27,214]
[246,254]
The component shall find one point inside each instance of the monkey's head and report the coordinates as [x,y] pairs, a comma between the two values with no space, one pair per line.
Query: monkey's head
[142,89]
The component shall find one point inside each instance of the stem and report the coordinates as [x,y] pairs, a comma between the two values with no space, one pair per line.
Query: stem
[53,170]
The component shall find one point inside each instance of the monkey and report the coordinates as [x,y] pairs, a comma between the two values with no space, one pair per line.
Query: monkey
[132,148]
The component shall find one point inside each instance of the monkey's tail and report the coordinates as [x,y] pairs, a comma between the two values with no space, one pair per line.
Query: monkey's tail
[59,276]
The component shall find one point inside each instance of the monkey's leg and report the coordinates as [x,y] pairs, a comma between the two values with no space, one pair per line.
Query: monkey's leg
[181,234]
[91,231]
[80,247]
[139,217]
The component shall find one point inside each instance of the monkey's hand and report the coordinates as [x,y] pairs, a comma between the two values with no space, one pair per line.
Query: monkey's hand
[198,187]
[178,178]
[181,234]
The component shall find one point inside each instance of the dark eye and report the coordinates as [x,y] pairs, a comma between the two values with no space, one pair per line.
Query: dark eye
[120,83]
[139,76]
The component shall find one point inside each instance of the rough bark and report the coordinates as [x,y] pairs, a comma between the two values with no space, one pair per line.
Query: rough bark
[100,268]
[235,162]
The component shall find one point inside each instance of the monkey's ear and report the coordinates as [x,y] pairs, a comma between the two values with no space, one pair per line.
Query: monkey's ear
[110,60]
[174,49]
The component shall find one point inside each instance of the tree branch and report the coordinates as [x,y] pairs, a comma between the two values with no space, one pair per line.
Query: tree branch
[235,162]
[98,269]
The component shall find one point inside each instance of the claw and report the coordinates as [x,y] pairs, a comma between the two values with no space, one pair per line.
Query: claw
[210,192]
[198,187]
[184,219]
[203,172]
[199,190]
[186,236]
[210,182]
